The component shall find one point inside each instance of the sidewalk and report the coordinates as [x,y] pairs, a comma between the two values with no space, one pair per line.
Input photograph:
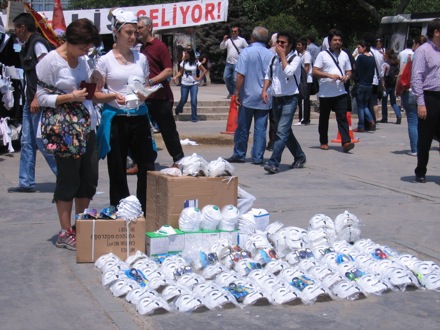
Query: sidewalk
[42,287]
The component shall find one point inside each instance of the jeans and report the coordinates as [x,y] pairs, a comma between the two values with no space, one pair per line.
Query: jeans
[161,112]
[230,77]
[396,108]
[29,145]
[362,98]
[241,135]
[410,105]
[283,112]
[185,90]
[338,104]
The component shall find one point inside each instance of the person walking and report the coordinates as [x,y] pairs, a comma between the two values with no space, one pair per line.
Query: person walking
[364,73]
[124,125]
[190,82]
[160,103]
[234,45]
[306,62]
[65,68]
[34,48]
[333,68]
[390,70]
[426,89]
[283,74]
[251,71]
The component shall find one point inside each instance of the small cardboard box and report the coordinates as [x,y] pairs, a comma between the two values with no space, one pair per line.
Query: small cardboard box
[95,238]
[201,239]
[160,244]
[168,195]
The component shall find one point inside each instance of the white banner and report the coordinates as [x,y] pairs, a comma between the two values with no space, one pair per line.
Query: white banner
[165,16]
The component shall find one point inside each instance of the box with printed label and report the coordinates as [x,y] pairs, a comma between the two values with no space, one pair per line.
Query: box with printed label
[160,244]
[231,236]
[95,238]
[168,195]
[201,239]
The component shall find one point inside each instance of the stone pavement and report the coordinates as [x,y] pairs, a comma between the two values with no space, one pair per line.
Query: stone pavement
[42,287]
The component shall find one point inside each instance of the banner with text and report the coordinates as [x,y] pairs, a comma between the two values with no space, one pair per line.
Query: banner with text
[164,16]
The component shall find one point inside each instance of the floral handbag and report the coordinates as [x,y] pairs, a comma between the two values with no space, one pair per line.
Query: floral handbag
[64,129]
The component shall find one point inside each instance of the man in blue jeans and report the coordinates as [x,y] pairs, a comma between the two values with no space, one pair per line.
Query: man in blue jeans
[234,45]
[283,75]
[251,70]
[34,49]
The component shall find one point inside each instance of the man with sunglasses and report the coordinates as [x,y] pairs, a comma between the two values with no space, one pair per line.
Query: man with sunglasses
[283,74]
[234,44]
[333,68]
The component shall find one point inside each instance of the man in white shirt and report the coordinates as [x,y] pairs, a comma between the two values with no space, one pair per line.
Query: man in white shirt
[333,69]
[234,45]
[306,62]
[403,55]
[283,74]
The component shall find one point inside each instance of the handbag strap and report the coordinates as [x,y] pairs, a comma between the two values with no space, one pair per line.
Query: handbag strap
[336,62]
[233,43]
[50,88]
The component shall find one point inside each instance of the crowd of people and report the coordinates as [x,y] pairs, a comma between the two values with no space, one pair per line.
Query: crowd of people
[268,85]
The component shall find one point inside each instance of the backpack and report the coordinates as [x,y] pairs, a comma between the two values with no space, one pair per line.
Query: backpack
[302,86]
[391,77]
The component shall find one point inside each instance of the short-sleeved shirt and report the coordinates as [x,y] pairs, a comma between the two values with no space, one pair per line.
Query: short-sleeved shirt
[159,59]
[329,87]
[189,73]
[116,75]
[253,63]
[232,56]
[306,58]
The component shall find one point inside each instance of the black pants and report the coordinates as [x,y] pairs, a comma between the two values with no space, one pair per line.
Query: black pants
[161,112]
[129,132]
[304,117]
[272,128]
[427,129]
[338,104]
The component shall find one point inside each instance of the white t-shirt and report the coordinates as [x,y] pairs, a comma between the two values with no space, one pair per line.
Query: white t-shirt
[189,73]
[116,75]
[379,61]
[55,71]
[330,87]
[232,56]
[306,58]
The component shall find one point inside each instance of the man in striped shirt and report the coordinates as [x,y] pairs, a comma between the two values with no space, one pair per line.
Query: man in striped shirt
[425,84]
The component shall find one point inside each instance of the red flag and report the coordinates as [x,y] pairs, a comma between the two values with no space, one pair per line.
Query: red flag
[58,22]
[44,26]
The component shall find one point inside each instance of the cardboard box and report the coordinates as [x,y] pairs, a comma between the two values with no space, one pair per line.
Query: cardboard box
[160,244]
[95,238]
[167,196]
[231,236]
[201,239]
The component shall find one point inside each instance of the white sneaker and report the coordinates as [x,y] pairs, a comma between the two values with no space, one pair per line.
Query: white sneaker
[412,153]
[297,124]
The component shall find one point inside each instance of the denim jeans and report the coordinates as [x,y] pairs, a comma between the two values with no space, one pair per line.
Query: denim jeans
[185,90]
[283,112]
[362,98]
[230,77]
[241,135]
[29,145]
[410,105]
[396,108]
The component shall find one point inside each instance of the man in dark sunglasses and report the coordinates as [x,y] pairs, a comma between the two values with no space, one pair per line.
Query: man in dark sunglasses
[234,44]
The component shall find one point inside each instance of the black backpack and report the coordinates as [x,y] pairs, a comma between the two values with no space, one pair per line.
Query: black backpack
[391,77]
[302,86]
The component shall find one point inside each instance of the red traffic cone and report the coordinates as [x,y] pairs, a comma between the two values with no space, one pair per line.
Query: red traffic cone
[232,123]
[338,137]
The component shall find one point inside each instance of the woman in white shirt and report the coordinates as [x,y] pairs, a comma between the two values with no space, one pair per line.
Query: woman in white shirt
[124,125]
[65,68]
[190,82]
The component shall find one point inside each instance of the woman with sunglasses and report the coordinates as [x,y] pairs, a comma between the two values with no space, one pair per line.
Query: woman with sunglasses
[190,81]
[65,68]
[124,125]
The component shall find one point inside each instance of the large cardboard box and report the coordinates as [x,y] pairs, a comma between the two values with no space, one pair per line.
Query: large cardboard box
[95,238]
[167,196]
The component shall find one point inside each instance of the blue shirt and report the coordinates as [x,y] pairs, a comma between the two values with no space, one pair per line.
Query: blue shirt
[252,64]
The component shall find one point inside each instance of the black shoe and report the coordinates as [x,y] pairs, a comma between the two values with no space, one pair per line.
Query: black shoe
[21,190]
[298,163]
[305,123]
[420,179]
[270,146]
[235,160]
[384,121]
[399,120]
[271,169]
